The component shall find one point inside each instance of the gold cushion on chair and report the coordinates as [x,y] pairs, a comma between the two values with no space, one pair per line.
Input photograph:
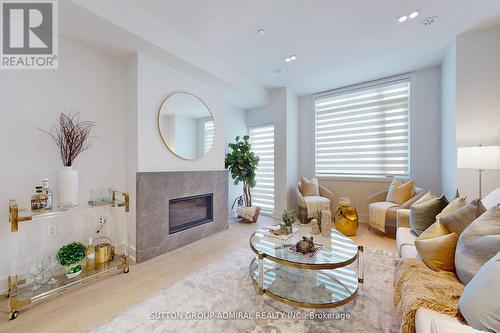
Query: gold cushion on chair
[309,187]
[439,252]
[400,193]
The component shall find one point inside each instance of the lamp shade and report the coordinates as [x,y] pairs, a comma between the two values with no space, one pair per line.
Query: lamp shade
[481,157]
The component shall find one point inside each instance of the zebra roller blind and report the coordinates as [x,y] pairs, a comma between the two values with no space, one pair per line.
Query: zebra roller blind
[262,141]
[364,132]
[209,135]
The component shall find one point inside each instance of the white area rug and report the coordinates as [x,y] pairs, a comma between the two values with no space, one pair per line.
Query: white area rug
[225,286]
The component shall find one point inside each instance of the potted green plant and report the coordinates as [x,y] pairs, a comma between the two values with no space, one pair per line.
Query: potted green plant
[242,163]
[70,256]
[287,220]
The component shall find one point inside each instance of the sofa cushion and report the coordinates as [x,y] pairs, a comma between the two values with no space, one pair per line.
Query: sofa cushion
[400,193]
[480,301]
[456,204]
[426,197]
[435,230]
[460,219]
[405,241]
[492,199]
[438,252]
[309,187]
[424,318]
[477,244]
[423,215]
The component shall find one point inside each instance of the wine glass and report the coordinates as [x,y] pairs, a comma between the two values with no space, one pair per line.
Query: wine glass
[34,272]
[50,267]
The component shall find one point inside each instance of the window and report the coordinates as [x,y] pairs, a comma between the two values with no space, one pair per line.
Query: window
[262,141]
[364,132]
[209,135]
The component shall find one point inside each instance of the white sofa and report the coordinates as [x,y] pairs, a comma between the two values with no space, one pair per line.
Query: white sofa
[428,321]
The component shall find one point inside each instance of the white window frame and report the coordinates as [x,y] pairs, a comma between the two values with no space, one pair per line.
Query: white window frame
[249,128]
[408,77]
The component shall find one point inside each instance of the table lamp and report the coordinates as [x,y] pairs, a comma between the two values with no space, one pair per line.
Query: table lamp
[480,158]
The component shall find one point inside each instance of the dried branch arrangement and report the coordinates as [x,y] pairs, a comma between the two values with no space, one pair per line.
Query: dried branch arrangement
[71,136]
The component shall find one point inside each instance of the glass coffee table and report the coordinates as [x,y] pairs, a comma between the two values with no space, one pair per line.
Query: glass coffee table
[330,278]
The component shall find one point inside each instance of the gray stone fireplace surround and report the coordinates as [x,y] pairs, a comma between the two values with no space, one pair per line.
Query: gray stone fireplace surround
[156,189]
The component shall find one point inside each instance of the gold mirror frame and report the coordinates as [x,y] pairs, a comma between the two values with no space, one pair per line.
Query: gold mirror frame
[159,130]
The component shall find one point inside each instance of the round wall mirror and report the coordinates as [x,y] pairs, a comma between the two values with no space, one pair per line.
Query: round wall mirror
[186,125]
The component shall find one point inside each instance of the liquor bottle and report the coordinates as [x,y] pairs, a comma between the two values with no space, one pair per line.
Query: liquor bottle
[90,256]
[38,200]
[48,191]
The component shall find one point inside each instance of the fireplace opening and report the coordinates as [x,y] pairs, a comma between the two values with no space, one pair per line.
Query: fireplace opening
[188,212]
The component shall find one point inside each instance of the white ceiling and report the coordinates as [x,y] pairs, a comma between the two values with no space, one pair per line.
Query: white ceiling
[337,42]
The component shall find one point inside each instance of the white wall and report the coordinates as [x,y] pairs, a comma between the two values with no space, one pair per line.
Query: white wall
[235,125]
[292,148]
[425,143]
[88,82]
[478,101]
[282,111]
[448,123]
[155,82]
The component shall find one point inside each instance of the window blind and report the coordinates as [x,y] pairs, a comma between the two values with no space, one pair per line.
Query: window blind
[209,135]
[262,141]
[364,132]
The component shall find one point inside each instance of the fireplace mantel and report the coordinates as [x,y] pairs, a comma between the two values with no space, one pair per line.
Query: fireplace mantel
[154,192]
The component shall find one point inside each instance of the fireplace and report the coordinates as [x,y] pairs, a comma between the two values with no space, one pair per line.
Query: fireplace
[175,201]
[189,212]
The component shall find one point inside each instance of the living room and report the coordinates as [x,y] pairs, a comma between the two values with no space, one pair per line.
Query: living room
[264,166]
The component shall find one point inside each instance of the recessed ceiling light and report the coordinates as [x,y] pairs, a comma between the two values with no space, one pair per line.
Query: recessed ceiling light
[413,14]
[402,19]
[293,57]
[261,32]
[288,59]
[277,70]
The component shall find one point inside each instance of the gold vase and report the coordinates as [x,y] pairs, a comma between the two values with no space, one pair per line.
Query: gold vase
[346,220]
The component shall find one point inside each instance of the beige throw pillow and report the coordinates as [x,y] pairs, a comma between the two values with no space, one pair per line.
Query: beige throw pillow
[452,206]
[460,219]
[426,197]
[400,193]
[309,187]
[438,253]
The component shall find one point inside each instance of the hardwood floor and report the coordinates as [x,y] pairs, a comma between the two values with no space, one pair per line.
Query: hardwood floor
[87,306]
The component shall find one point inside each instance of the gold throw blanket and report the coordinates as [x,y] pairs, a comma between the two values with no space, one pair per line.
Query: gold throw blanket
[418,286]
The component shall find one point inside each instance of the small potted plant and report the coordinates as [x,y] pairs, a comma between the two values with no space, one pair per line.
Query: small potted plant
[287,220]
[70,256]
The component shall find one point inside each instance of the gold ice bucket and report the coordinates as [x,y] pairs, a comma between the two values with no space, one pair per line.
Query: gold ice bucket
[104,251]
[346,220]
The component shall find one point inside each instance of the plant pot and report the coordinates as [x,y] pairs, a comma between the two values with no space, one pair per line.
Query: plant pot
[288,229]
[68,187]
[70,274]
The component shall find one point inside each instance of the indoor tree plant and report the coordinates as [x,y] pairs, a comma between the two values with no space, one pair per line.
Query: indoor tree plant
[70,256]
[72,137]
[242,163]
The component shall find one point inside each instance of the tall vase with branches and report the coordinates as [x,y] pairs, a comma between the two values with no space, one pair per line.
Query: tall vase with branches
[72,137]
[242,163]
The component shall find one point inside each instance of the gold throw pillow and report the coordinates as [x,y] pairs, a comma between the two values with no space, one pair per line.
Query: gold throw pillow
[438,253]
[400,193]
[309,187]
[435,230]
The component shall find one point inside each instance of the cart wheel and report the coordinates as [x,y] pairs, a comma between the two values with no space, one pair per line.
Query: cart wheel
[13,315]
[126,269]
